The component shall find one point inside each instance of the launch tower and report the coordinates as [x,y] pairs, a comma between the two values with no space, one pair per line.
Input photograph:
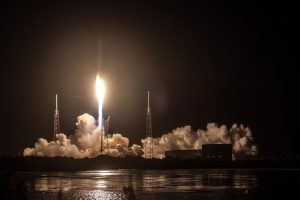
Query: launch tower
[149,144]
[56,120]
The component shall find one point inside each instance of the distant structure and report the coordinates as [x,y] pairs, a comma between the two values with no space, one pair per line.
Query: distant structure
[56,119]
[106,128]
[149,147]
[184,154]
[217,152]
[104,133]
[102,138]
[108,136]
[106,125]
[214,152]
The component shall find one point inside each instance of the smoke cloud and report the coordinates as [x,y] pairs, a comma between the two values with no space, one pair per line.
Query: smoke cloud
[185,138]
[86,141]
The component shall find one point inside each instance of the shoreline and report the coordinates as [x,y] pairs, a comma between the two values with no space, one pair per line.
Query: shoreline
[111,163]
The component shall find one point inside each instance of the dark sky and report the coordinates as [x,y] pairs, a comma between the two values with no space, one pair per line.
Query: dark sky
[222,62]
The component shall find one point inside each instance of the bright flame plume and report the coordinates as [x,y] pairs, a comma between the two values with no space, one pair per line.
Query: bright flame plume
[100,92]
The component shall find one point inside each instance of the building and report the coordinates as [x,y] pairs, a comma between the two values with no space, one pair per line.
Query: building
[217,152]
[184,154]
[222,152]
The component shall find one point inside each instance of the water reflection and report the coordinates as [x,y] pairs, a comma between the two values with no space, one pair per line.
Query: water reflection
[244,179]
[179,180]
[147,184]
[158,184]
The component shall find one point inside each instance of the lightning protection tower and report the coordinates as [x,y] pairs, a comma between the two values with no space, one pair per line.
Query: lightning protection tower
[106,128]
[149,143]
[56,120]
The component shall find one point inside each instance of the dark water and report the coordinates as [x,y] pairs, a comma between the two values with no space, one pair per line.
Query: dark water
[158,184]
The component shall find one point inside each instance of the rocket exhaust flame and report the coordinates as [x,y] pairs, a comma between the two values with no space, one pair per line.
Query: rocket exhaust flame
[100,92]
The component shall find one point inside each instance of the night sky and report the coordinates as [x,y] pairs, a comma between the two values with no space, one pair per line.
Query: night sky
[222,62]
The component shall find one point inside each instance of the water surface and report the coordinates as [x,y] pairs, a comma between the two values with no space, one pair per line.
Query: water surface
[162,184]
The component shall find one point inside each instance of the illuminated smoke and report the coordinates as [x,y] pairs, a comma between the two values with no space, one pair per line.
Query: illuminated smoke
[85,142]
[185,138]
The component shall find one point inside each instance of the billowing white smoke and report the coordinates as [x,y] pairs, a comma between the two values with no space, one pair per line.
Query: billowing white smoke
[185,138]
[86,142]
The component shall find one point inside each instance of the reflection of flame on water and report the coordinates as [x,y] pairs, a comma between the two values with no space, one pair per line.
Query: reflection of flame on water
[244,181]
[52,184]
[108,184]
